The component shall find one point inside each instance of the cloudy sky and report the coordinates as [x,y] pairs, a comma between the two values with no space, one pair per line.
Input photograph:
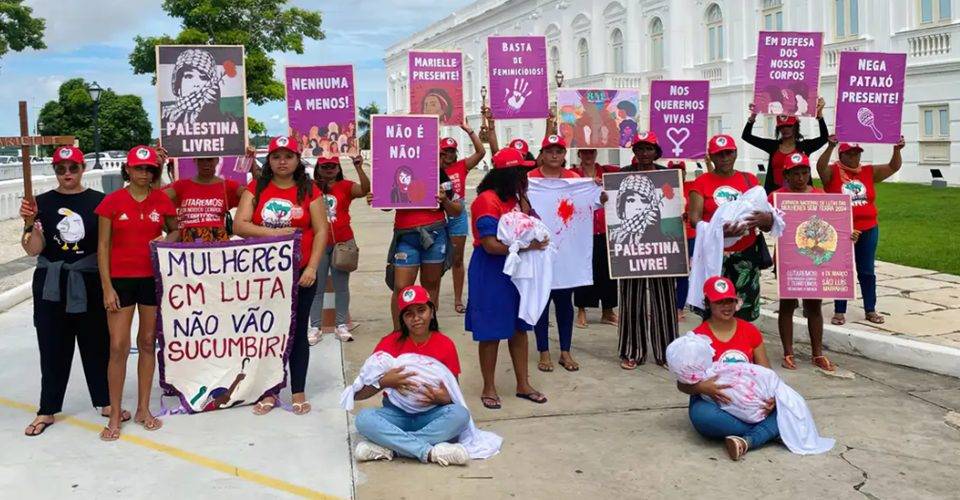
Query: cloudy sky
[92,39]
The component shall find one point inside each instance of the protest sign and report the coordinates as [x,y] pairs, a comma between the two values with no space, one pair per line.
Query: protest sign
[202,94]
[788,73]
[436,85]
[645,233]
[679,112]
[815,253]
[229,167]
[518,76]
[405,161]
[225,324]
[322,109]
[598,118]
[870,96]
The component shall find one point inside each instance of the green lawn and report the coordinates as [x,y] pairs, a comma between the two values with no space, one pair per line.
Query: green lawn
[919,226]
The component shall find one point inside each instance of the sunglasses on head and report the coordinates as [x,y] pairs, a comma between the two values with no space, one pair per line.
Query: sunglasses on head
[62,169]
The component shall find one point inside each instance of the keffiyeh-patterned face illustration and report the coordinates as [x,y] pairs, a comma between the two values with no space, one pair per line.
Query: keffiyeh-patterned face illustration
[638,207]
[196,83]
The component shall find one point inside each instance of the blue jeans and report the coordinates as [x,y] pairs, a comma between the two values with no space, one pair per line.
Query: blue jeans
[411,434]
[563,308]
[410,251]
[683,284]
[712,422]
[865,254]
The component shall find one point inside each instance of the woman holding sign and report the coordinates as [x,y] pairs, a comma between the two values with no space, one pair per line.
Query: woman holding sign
[788,141]
[203,202]
[282,201]
[130,219]
[848,176]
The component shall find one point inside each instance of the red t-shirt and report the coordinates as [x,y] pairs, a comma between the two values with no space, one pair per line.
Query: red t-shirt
[278,208]
[133,225]
[338,210]
[565,173]
[786,189]
[488,204]
[458,177]
[599,215]
[776,166]
[863,194]
[739,349]
[204,205]
[690,230]
[717,190]
[438,346]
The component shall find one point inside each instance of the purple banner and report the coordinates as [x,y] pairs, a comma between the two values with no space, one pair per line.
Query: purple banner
[870,96]
[322,109]
[788,73]
[815,252]
[229,168]
[679,113]
[598,118]
[406,159]
[436,85]
[518,76]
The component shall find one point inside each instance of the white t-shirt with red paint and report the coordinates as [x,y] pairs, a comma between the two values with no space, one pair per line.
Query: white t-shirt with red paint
[566,207]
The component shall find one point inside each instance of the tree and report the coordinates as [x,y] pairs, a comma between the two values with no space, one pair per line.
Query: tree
[363,123]
[123,120]
[18,30]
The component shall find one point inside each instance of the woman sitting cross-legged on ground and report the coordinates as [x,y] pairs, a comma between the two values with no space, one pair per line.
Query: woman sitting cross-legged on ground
[423,408]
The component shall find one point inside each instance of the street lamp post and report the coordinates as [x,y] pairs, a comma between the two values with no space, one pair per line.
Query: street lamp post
[95,92]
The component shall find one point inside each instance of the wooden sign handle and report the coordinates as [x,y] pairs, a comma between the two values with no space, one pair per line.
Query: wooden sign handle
[25,153]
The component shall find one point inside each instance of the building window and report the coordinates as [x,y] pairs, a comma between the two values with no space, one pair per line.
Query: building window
[773,15]
[583,51]
[934,11]
[714,19]
[468,85]
[715,125]
[935,134]
[616,43]
[846,15]
[554,60]
[656,44]
[770,125]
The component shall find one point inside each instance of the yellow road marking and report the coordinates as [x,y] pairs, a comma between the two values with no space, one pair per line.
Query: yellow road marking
[210,463]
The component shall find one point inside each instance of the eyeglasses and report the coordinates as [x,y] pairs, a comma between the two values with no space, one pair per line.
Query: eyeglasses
[61,169]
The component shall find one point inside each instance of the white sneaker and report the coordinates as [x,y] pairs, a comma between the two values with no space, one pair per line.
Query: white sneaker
[313,335]
[449,454]
[343,333]
[367,451]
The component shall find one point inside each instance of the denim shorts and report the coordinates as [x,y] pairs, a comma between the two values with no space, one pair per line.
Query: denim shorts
[459,225]
[410,252]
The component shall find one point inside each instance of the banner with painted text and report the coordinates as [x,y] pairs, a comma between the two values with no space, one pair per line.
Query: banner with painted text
[598,118]
[518,77]
[870,96]
[679,113]
[322,109]
[405,152]
[787,80]
[436,85]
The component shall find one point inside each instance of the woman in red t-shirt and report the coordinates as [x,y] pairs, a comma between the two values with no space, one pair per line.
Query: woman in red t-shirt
[129,219]
[788,141]
[734,341]
[683,284]
[282,201]
[338,192]
[425,436]
[848,176]
[203,202]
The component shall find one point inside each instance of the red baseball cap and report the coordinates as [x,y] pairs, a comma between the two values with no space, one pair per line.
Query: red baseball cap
[284,142]
[447,143]
[677,164]
[510,157]
[68,153]
[412,295]
[553,140]
[796,160]
[521,145]
[721,142]
[718,288]
[786,121]
[142,155]
[847,146]
[328,159]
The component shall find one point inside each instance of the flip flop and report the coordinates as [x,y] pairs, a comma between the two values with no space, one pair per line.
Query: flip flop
[532,397]
[580,324]
[125,415]
[263,407]
[570,367]
[824,364]
[151,424]
[628,364]
[108,434]
[298,408]
[611,322]
[788,362]
[36,425]
[875,318]
[736,447]
[838,320]
[460,308]
[545,367]
[490,406]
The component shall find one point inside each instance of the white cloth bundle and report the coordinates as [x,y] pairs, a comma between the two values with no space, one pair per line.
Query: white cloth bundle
[531,272]
[690,359]
[707,258]
[427,371]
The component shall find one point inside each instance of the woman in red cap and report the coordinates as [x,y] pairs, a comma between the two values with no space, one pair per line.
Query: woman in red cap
[849,176]
[459,226]
[788,141]
[734,341]
[603,292]
[203,202]
[493,307]
[130,218]
[741,262]
[282,201]
[648,306]
[683,283]
[425,436]
[338,193]
[62,228]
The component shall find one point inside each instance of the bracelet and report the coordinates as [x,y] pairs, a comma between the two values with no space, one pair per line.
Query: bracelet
[28,229]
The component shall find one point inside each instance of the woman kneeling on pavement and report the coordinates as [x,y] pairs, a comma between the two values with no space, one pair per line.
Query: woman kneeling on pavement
[734,341]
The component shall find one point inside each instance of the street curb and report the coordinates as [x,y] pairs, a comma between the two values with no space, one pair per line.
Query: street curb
[15,295]
[887,348]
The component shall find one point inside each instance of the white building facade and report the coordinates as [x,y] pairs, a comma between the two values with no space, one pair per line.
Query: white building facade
[629,43]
